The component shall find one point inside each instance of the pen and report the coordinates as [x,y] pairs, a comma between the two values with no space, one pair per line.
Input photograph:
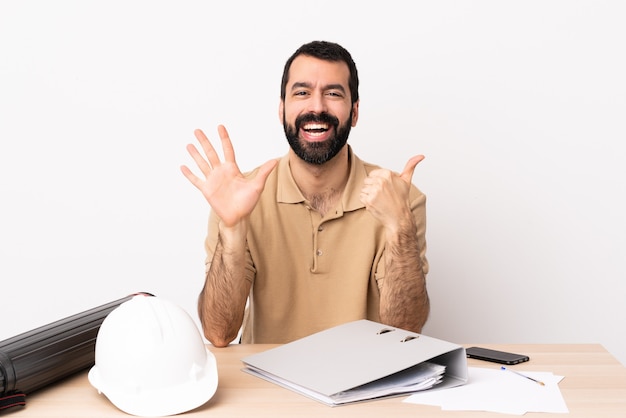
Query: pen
[523,375]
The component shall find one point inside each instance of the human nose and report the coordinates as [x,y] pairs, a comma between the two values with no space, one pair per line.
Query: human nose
[317,104]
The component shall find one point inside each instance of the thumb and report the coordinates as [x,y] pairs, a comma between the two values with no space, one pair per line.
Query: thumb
[409,168]
[264,172]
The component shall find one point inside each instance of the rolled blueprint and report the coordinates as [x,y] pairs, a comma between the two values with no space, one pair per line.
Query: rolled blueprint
[44,355]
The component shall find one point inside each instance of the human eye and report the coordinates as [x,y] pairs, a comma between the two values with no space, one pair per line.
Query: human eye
[335,93]
[300,89]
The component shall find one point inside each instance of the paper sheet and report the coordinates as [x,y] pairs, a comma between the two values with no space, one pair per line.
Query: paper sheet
[420,377]
[498,390]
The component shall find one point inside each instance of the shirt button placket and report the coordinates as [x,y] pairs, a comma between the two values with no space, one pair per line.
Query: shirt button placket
[319,252]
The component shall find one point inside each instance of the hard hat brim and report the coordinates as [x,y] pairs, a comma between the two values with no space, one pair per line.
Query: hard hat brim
[163,401]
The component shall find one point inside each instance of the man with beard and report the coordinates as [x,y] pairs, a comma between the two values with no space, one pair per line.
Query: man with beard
[318,237]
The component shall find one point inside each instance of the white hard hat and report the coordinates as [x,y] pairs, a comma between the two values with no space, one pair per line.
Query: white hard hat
[151,359]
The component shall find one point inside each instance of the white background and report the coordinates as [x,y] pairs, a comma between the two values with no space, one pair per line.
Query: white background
[519,107]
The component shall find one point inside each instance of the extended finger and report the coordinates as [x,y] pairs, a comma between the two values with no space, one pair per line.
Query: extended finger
[195,180]
[200,162]
[209,151]
[409,168]
[264,172]
[227,145]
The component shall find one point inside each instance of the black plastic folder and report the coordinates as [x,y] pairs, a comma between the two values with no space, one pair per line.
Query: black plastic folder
[359,361]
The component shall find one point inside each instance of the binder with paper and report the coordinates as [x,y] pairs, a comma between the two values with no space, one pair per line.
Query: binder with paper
[361,360]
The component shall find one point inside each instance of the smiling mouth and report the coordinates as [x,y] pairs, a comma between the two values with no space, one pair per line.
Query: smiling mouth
[315,128]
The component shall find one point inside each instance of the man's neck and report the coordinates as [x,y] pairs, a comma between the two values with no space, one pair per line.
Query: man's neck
[322,185]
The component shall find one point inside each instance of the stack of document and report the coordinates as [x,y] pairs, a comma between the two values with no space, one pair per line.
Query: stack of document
[361,360]
[414,379]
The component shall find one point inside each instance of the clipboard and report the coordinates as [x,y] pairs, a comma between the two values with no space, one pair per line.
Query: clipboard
[352,362]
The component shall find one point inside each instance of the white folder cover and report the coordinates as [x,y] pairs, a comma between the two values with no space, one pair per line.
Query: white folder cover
[332,366]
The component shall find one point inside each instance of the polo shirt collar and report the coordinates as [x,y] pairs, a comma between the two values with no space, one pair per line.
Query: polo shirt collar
[288,191]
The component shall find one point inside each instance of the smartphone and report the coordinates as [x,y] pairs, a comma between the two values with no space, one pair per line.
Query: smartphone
[495,356]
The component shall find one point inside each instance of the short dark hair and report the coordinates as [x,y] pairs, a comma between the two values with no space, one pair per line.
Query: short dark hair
[327,51]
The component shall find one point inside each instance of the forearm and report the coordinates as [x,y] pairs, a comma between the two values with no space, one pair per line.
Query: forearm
[404,301]
[222,302]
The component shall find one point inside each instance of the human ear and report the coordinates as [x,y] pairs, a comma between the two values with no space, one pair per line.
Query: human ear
[355,113]
[281,111]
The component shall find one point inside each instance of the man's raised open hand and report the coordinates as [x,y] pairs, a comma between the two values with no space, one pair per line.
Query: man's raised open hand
[231,195]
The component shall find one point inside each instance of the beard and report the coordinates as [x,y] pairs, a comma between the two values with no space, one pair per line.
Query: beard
[318,152]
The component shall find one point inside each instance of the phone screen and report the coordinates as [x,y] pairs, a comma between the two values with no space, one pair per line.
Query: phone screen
[495,356]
